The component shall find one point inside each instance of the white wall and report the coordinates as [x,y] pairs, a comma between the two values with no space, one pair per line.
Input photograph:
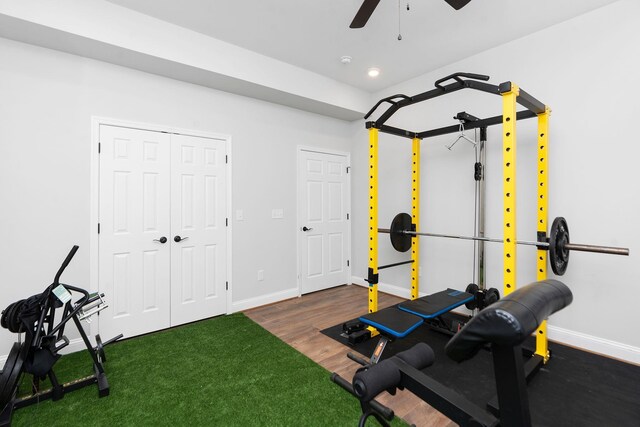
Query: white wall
[585,70]
[47,100]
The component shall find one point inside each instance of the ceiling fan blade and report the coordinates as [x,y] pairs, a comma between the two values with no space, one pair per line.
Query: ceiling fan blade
[364,13]
[457,4]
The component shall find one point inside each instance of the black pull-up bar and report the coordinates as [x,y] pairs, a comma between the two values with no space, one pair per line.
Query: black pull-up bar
[460,81]
[456,77]
[389,99]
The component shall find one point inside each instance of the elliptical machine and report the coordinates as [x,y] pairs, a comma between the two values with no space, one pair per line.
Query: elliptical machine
[36,318]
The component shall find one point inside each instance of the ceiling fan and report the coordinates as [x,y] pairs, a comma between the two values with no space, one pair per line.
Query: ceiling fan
[368,6]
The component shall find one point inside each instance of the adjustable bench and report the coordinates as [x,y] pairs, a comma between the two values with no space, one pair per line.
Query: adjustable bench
[399,321]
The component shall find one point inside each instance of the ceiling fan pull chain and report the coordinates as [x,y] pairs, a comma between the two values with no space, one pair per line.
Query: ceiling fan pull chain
[399,13]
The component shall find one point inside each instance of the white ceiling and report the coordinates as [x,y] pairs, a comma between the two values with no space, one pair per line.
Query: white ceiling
[314,34]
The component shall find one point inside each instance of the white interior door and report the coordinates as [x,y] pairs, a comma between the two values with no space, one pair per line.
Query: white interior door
[134,216]
[323,222]
[198,228]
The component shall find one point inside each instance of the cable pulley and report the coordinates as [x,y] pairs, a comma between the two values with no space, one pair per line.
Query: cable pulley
[558,243]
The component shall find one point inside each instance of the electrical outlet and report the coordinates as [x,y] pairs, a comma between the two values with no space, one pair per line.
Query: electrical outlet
[260,275]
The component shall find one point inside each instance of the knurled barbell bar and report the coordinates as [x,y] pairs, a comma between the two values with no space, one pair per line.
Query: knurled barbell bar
[557,244]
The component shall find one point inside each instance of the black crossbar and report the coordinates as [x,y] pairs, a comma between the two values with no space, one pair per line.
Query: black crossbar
[382,267]
[483,123]
[491,121]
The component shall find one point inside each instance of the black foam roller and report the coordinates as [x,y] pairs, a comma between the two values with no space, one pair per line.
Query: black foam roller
[370,382]
[419,356]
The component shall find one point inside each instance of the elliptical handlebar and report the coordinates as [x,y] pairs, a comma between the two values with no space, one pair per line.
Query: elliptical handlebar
[65,263]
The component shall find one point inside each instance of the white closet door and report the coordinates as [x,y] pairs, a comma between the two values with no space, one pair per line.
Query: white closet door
[134,215]
[324,227]
[198,228]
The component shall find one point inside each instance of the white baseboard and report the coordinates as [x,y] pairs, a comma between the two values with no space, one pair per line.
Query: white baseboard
[263,300]
[593,344]
[74,345]
[586,342]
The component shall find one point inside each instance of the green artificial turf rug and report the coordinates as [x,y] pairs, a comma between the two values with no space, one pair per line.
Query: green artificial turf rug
[222,371]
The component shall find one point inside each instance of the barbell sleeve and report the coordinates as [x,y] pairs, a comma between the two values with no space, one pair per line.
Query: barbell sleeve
[598,249]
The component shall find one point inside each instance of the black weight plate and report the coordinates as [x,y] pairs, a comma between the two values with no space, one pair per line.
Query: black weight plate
[5,315]
[13,319]
[11,372]
[401,242]
[472,289]
[10,313]
[491,296]
[558,255]
[100,349]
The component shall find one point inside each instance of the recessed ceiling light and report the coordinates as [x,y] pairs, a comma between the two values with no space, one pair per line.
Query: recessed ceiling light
[345,59]
[373,72]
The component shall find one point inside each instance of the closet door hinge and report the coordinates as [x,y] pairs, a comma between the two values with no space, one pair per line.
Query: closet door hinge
[226,222]
[347,216]
[226,158]
[347,263]
[348,169]
[99,147]
[227,286]
[98,228]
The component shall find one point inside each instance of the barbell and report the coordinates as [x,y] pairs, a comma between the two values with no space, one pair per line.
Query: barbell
[558,243]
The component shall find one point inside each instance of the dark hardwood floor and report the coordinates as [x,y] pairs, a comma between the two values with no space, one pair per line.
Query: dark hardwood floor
[298,322]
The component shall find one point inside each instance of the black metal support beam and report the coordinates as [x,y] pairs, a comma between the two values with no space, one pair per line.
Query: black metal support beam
[452,404]
[531,368]
[511,385]
[531,103]
[392,130]
[496,120]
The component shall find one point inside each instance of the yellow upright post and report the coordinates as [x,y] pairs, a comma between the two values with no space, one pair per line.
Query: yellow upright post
[542,348]
[509,174]
[415,215]
[373,220]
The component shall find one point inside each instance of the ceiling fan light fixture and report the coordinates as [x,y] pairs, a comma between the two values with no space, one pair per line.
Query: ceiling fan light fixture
[373,72]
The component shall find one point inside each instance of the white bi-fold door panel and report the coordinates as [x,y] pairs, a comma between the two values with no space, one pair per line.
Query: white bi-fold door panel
[155,186]
[198,228]
[134,266]
[324,229]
